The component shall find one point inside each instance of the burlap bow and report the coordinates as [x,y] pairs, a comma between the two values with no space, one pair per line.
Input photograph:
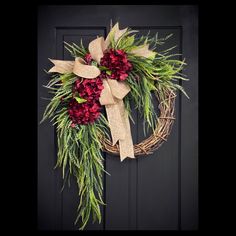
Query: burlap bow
[114,91]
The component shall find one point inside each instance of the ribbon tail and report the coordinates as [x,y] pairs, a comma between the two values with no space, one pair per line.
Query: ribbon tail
[126,144]
[106,97]
[116,124]
[62,67]
[117,116]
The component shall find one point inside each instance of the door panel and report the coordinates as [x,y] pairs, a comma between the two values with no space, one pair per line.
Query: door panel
[155,192]
[158,173]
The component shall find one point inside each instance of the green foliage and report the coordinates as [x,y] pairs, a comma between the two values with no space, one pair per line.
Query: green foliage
[169,73]
[75,50]
[89,171]
[61,91]
[149,75]
[103,68]
[141,94]
[79,149]
[126,43]
[80,100]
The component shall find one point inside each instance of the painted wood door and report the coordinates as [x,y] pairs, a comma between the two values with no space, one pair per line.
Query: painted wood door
[155,192]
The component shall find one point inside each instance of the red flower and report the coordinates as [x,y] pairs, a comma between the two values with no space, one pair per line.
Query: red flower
[72,125]
[89,89]
[89,111]
[88,58]
[116,61]
[83,113]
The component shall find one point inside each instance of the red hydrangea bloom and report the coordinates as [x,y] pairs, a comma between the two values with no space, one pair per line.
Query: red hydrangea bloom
[117,62]
[89,111]
[83,113]
[89,89]
[88,58]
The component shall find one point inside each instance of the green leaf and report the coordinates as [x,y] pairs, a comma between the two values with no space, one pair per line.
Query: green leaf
[80,100]
[102,68]
[94,63]
[130,41]
[108,72]
[152,55]
[65,77]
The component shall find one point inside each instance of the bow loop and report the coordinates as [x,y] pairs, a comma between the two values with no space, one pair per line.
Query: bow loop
[78,67]
[96,49]
[119,89]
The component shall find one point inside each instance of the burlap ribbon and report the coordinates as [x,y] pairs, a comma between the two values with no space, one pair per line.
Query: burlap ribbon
[114,91]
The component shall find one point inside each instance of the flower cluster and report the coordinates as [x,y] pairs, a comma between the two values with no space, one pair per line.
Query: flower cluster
[116,61]
[89,89]
[83,113]
[89,111]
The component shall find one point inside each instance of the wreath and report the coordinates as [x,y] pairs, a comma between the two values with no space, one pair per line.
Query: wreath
[109,74]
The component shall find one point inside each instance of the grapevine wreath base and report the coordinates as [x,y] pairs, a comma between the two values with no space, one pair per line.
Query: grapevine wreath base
[160,134]
[112,73]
